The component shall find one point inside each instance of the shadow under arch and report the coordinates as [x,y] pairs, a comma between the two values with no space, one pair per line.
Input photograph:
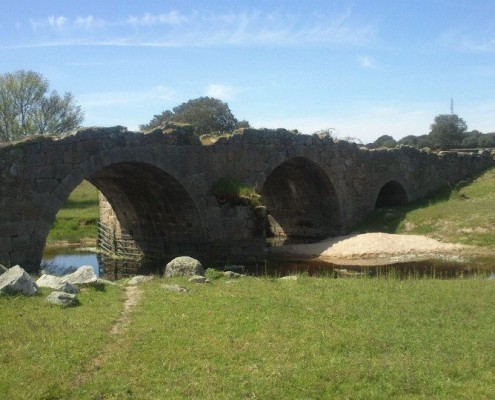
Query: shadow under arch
[148,204]
[152,207]
[391,194]
[301,201]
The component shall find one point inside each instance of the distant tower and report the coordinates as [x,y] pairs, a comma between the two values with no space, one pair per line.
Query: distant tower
[451,106]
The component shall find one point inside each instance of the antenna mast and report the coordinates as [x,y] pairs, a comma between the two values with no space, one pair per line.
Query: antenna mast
[451,106]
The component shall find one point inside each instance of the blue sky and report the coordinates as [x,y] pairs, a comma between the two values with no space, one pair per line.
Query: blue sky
[363,68]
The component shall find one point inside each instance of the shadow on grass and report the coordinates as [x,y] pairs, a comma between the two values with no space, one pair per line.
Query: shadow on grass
[389,219]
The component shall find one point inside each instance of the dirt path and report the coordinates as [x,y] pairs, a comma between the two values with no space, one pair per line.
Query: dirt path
[375,246]
[133,294]
[132,297]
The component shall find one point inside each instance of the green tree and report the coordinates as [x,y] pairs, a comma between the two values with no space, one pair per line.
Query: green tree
[447,131]
[205,114]
[384,141]
[409,140]
[27,108]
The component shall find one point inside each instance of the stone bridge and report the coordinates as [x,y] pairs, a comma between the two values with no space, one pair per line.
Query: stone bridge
[156,188]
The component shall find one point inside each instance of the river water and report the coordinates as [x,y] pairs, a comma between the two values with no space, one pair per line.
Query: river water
[66,260]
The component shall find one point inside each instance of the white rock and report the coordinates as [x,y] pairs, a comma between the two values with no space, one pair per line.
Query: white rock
[199,279]
[57,283]
[62,299]
[136,280]
[183,266]
[232,275]
[16,280]
[174,288]
[83,275]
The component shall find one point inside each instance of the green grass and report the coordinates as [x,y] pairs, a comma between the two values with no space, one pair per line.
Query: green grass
[464,214]
[45,347]
[78,217]
[315,338]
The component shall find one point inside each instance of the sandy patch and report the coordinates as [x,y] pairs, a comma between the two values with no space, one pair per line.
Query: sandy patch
[370,245]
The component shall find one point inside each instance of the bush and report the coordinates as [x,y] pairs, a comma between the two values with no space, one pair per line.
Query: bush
[230,190]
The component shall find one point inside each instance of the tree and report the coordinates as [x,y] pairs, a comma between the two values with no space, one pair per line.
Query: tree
[26,107]
[447,131]
[206,114]
[384,141]
[409,140]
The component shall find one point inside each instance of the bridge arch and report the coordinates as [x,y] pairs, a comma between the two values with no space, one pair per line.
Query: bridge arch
[301,201]
[391,194]
[147,204]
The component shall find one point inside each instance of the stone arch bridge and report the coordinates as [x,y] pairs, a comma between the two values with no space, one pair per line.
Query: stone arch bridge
[156,188]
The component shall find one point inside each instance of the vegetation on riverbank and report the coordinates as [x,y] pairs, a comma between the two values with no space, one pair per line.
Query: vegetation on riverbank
[463,214]
[257,338]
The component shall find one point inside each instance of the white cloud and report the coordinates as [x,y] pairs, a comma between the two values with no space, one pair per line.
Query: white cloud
[60,23]
[222,92]
[171,18]
[89,22]
[367,62]
[51,22]
[207,29]
[483,42]
[117,98]
[57,22]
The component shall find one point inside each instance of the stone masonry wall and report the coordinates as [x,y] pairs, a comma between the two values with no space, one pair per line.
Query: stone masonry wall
[159,186]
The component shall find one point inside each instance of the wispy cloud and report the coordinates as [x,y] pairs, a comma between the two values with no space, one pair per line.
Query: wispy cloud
[156,94]
[222,92]
[171,18]
[466,40]
[204,29]
[367,62]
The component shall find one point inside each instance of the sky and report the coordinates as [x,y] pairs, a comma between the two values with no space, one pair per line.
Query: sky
[362,68]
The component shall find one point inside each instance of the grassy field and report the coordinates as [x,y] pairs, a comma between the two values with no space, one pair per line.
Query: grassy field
[257,338]
[77,219]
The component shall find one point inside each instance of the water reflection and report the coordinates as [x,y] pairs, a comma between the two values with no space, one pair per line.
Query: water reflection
[65,261]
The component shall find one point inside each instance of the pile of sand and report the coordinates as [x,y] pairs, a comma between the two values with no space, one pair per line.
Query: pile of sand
[369,245]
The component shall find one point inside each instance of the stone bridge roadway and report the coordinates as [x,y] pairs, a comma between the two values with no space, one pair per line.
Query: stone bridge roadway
[158,186]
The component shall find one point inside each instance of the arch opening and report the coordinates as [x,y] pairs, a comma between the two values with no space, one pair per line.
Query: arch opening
[391,194]
[149,209]
[301,201]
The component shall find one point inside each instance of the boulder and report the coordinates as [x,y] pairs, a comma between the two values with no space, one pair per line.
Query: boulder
[138,279]
[16,280]
[183,266]
[63,299]
[198,279]
[174,288]
[3,269]
[83,275]
[57,283]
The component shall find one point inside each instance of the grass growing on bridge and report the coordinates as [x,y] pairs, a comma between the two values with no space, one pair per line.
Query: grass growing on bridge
[464,214]
[78,217]
[258,338]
